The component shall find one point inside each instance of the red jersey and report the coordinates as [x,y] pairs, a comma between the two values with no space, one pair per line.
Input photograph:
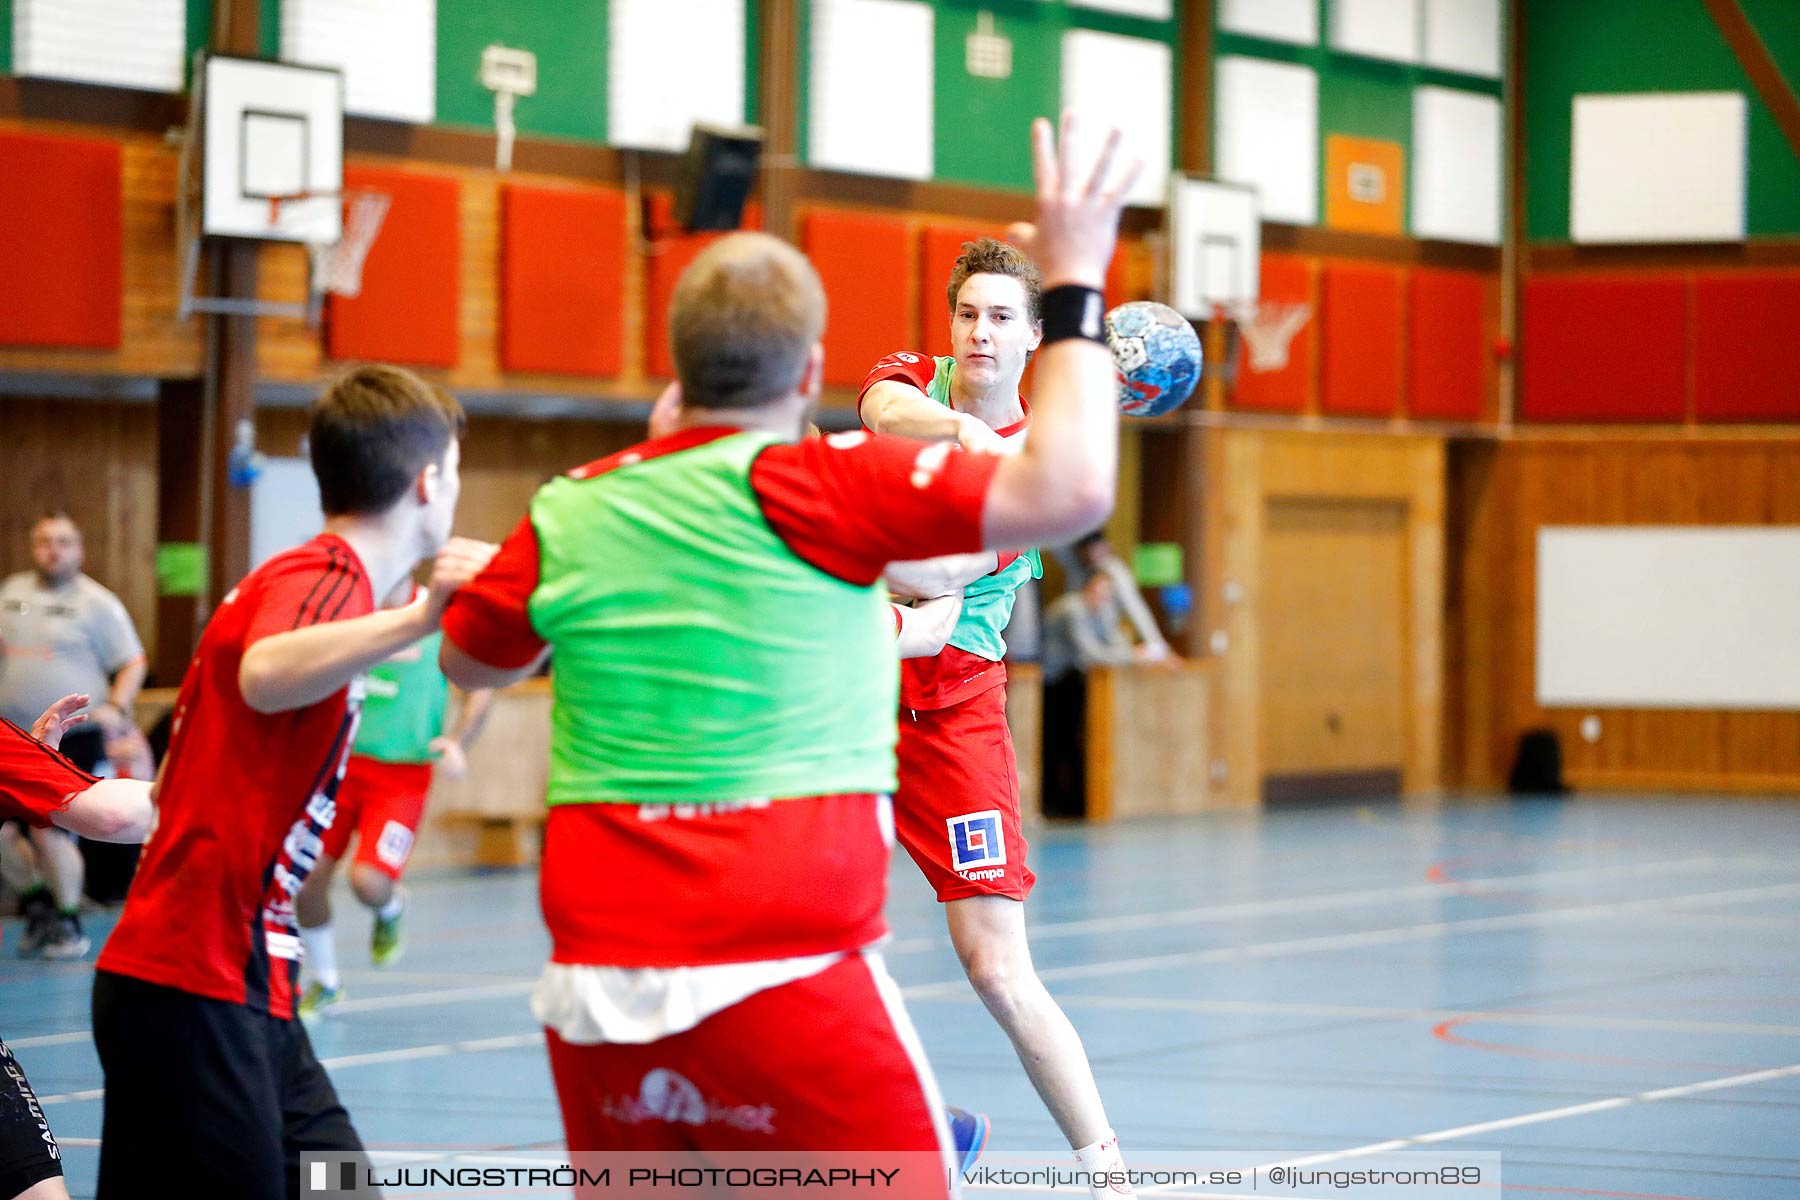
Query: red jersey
[952,675]
[245,797]
[752,880]
[35,781]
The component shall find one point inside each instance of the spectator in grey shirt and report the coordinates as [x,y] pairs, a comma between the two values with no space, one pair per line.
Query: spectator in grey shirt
[61,632]
[1082,631]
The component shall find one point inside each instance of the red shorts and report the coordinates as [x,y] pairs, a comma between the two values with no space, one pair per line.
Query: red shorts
[957,807]
[382,803]
[826,1063]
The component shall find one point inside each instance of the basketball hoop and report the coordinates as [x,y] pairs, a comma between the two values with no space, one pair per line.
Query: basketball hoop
[1268,327]
[341,246]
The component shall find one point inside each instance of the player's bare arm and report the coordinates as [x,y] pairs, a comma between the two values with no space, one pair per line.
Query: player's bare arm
[898,409]
[925,627]
[111,810]
[287,671]
[1063,482]
[929,578]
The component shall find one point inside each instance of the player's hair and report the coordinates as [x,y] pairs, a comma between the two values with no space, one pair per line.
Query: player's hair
[54,514]
[745,316]
[375,428]
[985,256]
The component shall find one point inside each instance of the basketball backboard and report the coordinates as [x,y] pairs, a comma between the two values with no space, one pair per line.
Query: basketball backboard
[1215,245]
[269,130]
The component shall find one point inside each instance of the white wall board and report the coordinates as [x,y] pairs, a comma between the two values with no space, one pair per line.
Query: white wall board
[284,508]
[1268,134]
[1458,161]
[1295,21]
[1124,82]
[1465,36]
[141,44]
[1376,28]
[1668,617]
[871,87]
[387,50]
[1658,167]
[661,79]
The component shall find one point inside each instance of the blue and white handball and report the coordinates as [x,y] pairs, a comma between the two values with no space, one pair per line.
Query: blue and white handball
[1156,355]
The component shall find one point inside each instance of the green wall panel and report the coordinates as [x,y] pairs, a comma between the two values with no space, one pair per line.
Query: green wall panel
[569,39]
[6,36]
[982,126]
[1642,46]
[1358,97]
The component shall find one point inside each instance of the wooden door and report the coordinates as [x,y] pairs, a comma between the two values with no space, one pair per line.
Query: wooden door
[1334,635]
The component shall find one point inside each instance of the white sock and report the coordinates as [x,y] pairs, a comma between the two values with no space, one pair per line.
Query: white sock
[395,906]
[321,952]
[1103,1158]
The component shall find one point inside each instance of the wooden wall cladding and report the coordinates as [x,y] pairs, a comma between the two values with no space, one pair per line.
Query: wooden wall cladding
[149,340]
[563,252]
[97,461]
[62,239]
[1500,495]
[1360,325]
[866,262]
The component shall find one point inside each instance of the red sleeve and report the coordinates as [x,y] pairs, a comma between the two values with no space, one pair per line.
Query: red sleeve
[488,618]
[852,503]
[306,586]
[35,781]
[907,366]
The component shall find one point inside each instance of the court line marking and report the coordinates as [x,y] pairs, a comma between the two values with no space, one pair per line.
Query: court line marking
[1486,1016]
[1383,937]
[1255,950]
[1609,1104]
[1334,901]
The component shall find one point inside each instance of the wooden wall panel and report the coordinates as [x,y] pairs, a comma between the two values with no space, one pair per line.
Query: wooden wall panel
[152,341]
[1501,495]
[1258,468]
[97,461]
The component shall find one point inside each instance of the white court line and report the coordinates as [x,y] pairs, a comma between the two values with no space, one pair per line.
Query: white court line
[486,991]
[1383,937]
[48,1039]
[1548,1114]
[1555,1020]
[511,1041]
[1337,901]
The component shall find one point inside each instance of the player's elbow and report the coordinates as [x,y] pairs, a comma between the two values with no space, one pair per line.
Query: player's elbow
[1082,507]
[112,810]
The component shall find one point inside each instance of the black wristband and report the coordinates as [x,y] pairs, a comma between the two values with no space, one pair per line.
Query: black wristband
[1073,311]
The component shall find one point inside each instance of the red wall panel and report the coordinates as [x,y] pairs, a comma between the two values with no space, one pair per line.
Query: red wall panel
[1605,349]
[410,305]
[1747,347]
[671,252]
[939,246]
[1360,326]
[1447,345]
[1286,390]
[562,279]
[864,260]
[62,238]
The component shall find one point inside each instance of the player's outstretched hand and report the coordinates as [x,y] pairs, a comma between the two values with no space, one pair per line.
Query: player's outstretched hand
[972,433]
[59,718]
[461,560]
[1079,198]
[452,763]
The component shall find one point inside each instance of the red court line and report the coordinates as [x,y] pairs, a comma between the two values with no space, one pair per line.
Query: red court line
[1442,1031]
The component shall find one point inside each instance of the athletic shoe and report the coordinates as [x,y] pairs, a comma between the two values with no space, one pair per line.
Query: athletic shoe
[969,1133]
[66,941]
[388,942]
[317,999]
[40,916]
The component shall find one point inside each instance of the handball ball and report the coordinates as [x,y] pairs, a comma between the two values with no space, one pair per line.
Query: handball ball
[1156,356]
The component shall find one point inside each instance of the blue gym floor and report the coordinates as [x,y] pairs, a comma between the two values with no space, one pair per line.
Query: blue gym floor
[1548,980]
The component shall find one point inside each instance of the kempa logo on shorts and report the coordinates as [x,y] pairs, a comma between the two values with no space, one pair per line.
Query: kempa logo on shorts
[976,841]
[672,1098]
[394,844]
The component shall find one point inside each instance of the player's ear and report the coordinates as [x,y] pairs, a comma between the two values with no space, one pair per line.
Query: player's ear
[426,484]
[1037,336]
[812,380]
